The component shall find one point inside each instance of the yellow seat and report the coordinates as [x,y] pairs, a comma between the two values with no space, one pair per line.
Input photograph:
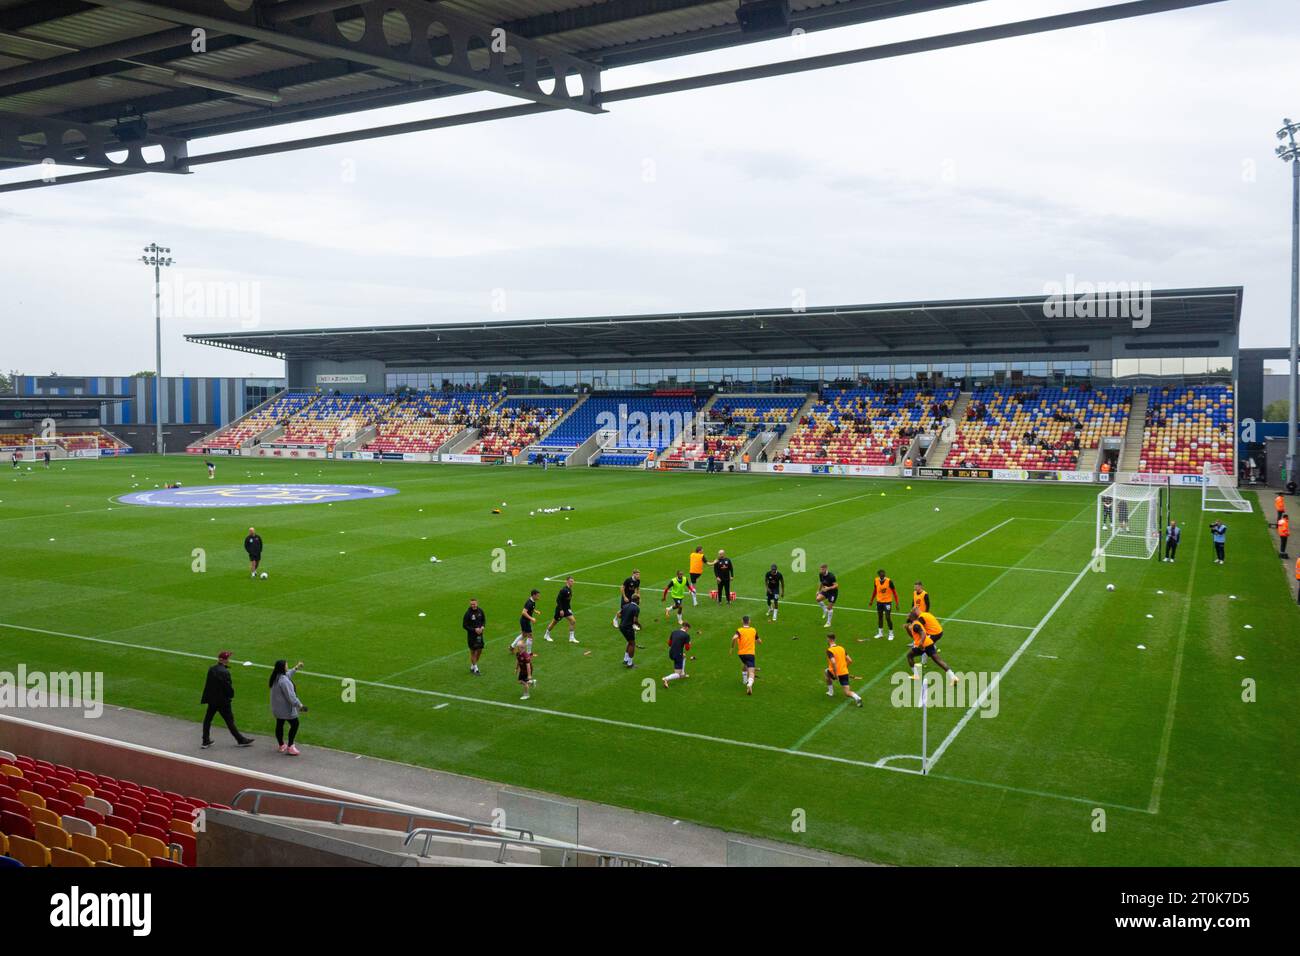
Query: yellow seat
[149,846]
[183,826]
[117,866]
[112,835]
[123,855]
[9,770]
[92,848]
[31,798]
[60,857]
[82,789]
[28,852]
[52,836]
[44,815]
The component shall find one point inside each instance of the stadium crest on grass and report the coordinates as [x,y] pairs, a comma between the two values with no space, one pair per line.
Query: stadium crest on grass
[252,496]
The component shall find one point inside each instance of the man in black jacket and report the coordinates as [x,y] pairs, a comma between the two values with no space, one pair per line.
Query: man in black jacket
[473,622]
[253,545]
[218,692]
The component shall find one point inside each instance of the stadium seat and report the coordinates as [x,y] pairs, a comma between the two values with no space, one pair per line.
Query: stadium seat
[124,855]
[88,814]
[13,805]
[99,805]
[867,426]
[9,863]
[52,836]
[74,824]
[28,851]
[16,826]
[44,815]
[189,846]
[163,862]
[90,847]
[67,858]
[1188,427]
[112,835]
[31,798]
[149,846]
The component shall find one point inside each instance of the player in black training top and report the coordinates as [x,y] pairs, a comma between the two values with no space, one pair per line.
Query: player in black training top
[474,622]
[679,642]
[630,593]
[828,592]
[253,547]
[629,622]
[564,609]
[774,581]
[724,571]
[527,618]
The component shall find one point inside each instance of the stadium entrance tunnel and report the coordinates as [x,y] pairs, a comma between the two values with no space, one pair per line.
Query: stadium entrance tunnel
[253,496]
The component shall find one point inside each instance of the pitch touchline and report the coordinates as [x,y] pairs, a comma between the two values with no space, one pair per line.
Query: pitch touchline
[974,539]
[587,717]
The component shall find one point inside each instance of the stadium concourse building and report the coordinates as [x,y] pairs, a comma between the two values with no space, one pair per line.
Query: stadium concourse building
[855,389]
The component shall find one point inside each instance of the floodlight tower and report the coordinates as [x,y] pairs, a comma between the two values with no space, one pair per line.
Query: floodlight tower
[1289,152]
[158,257]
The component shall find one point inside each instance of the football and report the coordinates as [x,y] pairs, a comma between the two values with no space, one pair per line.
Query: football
[1110,587]
[265,575]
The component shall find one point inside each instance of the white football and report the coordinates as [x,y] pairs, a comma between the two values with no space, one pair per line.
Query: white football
[265,575]
[510,541]
[1110,587]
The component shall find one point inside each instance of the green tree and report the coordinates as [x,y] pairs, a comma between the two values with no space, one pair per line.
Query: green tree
[1276,411]
[7,382]
[143,375]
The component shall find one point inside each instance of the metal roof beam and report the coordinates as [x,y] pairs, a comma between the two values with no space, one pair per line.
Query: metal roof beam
[38,139]
[320,35]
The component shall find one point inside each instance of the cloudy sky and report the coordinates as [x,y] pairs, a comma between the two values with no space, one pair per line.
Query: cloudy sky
[1141,151]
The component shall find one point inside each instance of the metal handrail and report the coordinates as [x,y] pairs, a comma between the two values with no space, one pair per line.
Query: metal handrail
[471,826]
[606,856]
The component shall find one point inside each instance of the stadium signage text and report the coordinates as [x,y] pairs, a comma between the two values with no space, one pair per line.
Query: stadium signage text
[340,379]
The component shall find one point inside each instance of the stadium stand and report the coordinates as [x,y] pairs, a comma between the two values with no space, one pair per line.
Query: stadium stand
[55,815]
[78,441]
[733,421]
[867,426]
[648,422]
[1188,426]
[1009,426]
[275,412]
[333,418]
[517,423]
[426,421]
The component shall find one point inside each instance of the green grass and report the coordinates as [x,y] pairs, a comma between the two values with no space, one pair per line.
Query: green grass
[1161,740]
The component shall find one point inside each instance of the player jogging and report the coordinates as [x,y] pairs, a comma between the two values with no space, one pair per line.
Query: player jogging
[920,597]
[723,571]
[774,582]
[677,587]
[527,618]
[474,621]
[885,596]
[212,469]
[925,630]
[837,669]
[563,611]
[828,592]
[744,642]
[679,642]
[631,593]
[629,622]
[696,568]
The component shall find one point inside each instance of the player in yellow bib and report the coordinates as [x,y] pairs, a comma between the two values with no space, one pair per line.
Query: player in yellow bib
[744,642]
[696,568]
[925,631]
[837,669]
[885,596]
[920,597]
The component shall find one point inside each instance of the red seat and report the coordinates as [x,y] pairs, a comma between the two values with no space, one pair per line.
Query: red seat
[161,862]
[155,820]
[8,791]
[125,824]
[71,797]
[189,847]
[14,825]
[158,833]
[61,807]
[85,813]
[14,805]
[45,790]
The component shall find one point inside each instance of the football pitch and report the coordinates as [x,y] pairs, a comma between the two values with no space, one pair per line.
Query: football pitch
[1149,725]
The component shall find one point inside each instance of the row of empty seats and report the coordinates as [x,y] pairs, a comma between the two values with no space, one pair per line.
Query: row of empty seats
[275,412]
[1038,428]
[54,815]
[643,422]
[1188,427]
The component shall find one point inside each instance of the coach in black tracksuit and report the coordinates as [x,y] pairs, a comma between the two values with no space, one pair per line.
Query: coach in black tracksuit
[474,621]
[253,545]
[218,692]
[723,571]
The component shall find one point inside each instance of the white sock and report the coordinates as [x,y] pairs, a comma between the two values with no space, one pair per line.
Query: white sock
[829,690]
[854,696]
[675,675]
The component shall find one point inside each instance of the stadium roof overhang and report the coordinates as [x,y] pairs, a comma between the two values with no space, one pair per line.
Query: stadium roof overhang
[122,87]
[896,331]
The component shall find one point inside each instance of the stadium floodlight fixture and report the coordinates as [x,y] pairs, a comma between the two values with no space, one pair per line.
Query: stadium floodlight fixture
[1289,152]
[159,257]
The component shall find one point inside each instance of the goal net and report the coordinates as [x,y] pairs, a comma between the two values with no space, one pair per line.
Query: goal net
[1128,521]
[1219,490]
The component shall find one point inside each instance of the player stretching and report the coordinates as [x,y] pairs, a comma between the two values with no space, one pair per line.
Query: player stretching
[925,631]
[837,669]
[631,593]
[527,618]
[677,587]
[563,610]
[744,642]
[886,597]
[696,567]
[774,581]
[629,622]
[920,597]
[679,642]
[828,592]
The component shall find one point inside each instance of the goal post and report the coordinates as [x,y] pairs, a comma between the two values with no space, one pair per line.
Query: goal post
[1219,490]
[1129,519]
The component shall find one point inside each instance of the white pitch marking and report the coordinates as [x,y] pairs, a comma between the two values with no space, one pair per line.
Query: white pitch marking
[974,539]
